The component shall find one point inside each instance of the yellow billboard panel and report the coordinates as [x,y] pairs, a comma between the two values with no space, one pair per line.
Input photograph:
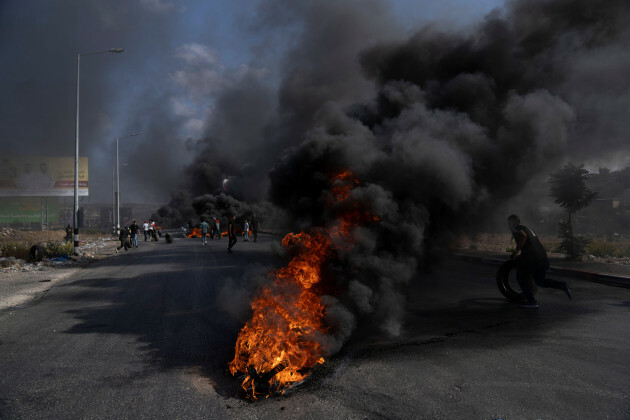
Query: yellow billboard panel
[41,176]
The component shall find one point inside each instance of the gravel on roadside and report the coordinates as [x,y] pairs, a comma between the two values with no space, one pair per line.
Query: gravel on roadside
[21,281]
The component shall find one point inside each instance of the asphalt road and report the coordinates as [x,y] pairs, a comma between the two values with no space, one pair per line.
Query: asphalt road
[148,334]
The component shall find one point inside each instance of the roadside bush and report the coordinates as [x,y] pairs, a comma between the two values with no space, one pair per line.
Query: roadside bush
[551,246]
[603,249]
[624,251]
[22,250]
[55,248]
[15,249]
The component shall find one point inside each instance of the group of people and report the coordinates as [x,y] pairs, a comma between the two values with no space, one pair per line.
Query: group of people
[149,230]
[532,263]
[214,230]
[231,231]
[128,236]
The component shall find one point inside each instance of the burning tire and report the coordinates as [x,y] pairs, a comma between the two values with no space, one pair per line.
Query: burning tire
[503,281]
[36,253]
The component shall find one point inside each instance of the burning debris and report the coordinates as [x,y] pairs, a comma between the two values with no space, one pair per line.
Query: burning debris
[196,233]
[283,341]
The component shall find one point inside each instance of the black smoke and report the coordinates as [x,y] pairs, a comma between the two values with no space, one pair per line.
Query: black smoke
[461,123]
[447,129]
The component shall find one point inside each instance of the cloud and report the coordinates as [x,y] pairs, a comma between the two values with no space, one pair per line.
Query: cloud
[157,6]
[197,55]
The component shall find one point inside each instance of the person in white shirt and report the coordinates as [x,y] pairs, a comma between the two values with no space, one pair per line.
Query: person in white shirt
[145,229]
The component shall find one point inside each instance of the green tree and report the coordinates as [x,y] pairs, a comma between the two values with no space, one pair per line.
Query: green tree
[568,187]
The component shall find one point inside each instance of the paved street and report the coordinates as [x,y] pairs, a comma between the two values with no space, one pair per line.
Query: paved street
[148,334]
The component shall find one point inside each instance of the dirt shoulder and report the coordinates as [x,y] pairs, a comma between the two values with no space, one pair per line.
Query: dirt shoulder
[22,281]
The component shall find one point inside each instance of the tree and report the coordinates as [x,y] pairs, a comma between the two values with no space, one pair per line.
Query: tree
[568,187]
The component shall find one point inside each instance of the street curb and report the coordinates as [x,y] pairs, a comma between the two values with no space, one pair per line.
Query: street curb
[609,279]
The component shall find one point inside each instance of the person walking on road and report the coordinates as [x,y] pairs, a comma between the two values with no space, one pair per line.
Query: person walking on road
[145,229]
[231,234]
[152,232]
[124,240]
[204,232]
[532,263]
[246,231]
[214,228]
[134,229]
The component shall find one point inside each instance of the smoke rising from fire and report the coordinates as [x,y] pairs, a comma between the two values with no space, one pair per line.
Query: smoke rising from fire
[460,123]
[444,129]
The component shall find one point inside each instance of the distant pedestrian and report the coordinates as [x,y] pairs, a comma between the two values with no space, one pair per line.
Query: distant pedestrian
[204,232]
[215,228]
[255,227]
[68,233]
[152,233]
[532,263]
[145,229]
[246,231]
[231,234]
[134,229]
[124,240]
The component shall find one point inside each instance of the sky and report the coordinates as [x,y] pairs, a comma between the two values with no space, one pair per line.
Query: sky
[180,57]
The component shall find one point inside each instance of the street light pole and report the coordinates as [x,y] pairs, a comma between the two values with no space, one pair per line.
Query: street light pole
[114,201]
[118,183]
[76,149]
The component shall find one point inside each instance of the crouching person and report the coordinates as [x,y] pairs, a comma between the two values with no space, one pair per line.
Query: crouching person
[532,263]
[124,240]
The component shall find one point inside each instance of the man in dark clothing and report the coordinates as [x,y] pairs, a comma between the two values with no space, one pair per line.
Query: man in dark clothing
[68,233]
[532,263]
[134,229]
[123,236]
[231,234]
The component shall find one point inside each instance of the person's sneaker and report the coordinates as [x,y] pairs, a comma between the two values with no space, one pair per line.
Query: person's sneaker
[532,304]
[568,291]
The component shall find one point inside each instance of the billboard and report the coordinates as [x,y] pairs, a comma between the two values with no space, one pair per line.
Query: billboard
[41,176]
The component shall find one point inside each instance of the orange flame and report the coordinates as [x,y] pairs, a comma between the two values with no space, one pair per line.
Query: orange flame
[280,345]
[196,233]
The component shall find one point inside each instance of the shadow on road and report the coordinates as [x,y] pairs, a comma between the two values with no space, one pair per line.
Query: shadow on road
[168,303]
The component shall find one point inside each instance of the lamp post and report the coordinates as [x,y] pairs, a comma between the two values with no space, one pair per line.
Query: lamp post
[76,148]
[118,184]
[114,201]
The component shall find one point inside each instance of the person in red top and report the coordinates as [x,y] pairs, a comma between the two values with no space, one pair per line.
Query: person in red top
[531,263]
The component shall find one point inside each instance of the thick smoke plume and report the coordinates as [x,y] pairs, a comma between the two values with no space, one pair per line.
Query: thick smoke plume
[442,128]
[461,122]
